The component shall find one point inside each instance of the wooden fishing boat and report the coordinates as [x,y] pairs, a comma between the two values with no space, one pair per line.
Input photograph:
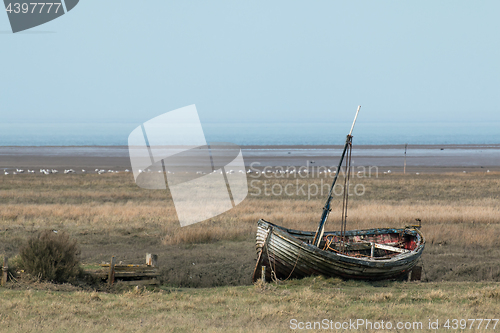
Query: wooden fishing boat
[373,254]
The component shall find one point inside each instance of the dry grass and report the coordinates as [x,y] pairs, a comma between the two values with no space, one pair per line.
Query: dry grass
[461,208]
[261,308]
[458,211]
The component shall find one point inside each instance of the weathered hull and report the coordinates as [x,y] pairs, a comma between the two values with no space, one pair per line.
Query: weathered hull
[288,253]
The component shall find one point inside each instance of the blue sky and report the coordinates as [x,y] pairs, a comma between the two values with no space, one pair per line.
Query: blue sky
[256,61]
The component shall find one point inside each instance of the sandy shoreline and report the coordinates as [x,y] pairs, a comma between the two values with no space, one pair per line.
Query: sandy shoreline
[424,158]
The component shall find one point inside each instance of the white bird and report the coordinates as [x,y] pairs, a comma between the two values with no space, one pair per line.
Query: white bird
[389,171]
[418,173]
[14,173]
[96,170]
[83,170]
[487,170]
[249,171]
[465,171]
[127,170]
[6,173]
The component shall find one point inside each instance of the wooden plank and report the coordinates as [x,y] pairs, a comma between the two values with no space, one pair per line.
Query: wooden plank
[138,270]
[111,276]
[132,268]
[118,265]
[133,274]
[5,270]
[390,248]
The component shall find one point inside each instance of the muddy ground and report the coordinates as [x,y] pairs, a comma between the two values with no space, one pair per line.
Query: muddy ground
[232,262]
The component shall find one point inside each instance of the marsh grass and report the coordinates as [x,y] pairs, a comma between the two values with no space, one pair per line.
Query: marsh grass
[454,208]
[459,213]
[260,307]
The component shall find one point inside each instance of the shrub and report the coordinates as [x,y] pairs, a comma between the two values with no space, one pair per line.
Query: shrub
[51,256]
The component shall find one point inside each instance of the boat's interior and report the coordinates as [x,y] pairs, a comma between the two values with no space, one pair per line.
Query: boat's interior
[376,243]
[373,246]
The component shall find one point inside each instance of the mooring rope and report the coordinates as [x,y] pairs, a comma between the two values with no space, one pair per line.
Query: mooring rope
[274,278]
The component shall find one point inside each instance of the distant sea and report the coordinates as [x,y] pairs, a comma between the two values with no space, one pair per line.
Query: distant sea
[243,134]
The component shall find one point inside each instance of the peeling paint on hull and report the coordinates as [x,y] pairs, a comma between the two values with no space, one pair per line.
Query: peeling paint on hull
[287,253]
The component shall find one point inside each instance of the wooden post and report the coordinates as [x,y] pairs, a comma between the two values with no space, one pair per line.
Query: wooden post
[406,146]
[111,276]
[372,252]
[5,269]
[263,274]
[152,260]
[415,274]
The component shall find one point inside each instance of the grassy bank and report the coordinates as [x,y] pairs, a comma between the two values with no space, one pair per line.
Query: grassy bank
[257,308]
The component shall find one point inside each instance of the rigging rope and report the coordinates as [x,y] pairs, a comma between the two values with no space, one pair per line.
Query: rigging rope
[345,200]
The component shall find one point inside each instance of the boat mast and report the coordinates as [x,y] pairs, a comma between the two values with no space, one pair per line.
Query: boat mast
[326,209]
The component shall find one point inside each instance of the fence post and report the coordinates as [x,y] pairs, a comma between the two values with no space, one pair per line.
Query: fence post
[5,269]
[263,274]
[111,276]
